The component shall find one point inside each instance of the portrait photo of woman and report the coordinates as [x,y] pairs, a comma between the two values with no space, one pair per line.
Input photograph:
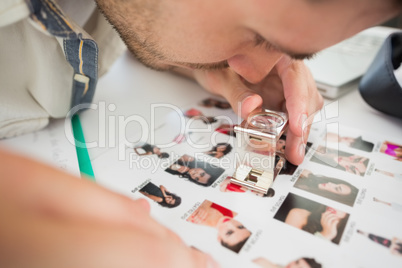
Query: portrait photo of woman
[198,172]
[220,150]
[232,234]
[160,195]
[143,149]
[335,189]
[354,164]
[353,142]
[315,218]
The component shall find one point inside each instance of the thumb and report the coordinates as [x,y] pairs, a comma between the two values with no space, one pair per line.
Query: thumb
[229,85]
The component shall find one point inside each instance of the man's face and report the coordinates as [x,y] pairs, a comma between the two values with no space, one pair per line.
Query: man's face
[249,36]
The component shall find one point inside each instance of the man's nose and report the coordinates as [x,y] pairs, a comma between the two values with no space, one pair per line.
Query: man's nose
[254,64]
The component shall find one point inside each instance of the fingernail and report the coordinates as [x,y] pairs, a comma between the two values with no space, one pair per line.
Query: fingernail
[244,98]
[302,150]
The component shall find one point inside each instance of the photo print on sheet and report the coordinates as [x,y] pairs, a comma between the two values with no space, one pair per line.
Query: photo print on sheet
[332,188]
[145,149]
[196,171]
[220,150]
[347,162]
[160,195]
[231,233]
[394,245]
[317,219]
[357,143]
[392,149]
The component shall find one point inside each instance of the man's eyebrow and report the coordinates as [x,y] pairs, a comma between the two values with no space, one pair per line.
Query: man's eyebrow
[205,66]
[259,40]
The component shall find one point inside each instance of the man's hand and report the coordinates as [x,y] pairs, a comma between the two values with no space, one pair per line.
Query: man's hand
[56,220]
[288,87]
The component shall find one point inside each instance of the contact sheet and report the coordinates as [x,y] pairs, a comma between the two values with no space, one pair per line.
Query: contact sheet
[341,207]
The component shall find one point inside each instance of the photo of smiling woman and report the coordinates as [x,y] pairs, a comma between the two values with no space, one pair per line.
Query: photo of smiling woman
[198,172]
[231,233]
[160,195]
[331,188]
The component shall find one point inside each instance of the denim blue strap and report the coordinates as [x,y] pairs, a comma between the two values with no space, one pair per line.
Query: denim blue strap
[82,54]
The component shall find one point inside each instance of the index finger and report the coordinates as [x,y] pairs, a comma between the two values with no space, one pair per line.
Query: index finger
[302,98]
[295,89]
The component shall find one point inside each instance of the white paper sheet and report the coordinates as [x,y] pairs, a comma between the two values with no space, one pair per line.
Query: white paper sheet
[272,236]
[49,145]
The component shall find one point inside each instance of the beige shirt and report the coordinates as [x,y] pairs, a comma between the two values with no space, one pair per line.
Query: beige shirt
[35,78]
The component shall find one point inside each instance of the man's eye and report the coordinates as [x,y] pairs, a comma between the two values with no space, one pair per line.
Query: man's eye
[202,174]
